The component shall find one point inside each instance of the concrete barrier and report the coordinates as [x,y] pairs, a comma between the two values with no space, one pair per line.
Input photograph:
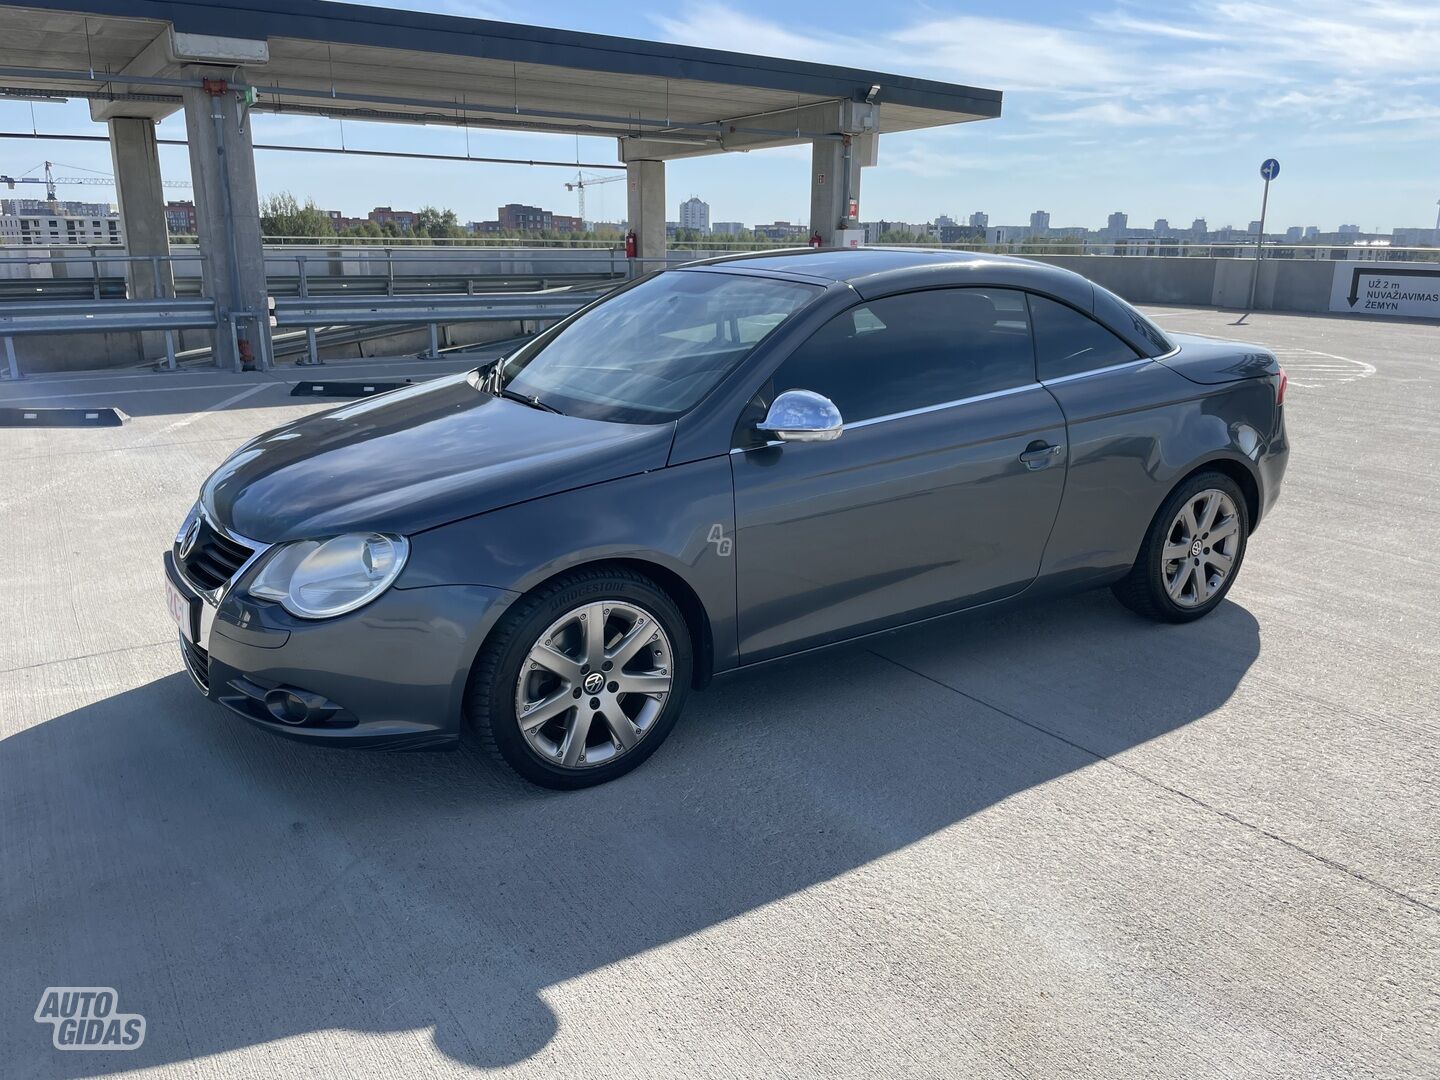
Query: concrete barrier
[1301,285]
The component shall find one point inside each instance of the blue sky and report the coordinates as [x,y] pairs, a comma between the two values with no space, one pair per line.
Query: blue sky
[1160,110]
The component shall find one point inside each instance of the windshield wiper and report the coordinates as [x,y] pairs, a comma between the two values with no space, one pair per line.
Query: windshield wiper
[494,384]
[533,402]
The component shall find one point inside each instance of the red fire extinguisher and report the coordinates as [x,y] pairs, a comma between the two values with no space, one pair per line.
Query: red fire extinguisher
[815,240]
[632,244]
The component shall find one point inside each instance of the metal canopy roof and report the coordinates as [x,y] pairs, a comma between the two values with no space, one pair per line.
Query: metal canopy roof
[362,62]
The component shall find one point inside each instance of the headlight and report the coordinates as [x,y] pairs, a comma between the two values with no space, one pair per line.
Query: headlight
[319,579]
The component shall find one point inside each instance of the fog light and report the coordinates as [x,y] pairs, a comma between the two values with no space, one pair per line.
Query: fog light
[288,707]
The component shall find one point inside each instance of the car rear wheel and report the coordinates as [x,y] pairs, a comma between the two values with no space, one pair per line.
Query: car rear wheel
[583,679]
[1191,553]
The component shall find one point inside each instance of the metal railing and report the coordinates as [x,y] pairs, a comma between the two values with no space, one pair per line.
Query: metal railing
[614,267]
[1162,248]
[94,259]
[314,313]
[720,245]
[397,272]
[167,315]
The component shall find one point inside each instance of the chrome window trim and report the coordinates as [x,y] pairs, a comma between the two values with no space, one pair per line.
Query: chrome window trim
[766,445]
[1102,370]
[989,396]
[911,412]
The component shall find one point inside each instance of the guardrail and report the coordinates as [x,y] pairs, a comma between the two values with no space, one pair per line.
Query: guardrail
[303,281]
[94,260]
[388,272]
[82,316]
[167,315]
[314,312]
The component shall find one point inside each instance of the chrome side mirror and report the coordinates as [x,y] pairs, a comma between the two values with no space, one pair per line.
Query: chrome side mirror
[802,416]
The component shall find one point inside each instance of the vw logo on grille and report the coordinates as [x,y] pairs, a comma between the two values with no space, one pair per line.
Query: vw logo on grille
[187,542]
[593,682]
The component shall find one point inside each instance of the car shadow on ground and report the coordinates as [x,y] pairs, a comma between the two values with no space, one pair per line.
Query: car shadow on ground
[236,888]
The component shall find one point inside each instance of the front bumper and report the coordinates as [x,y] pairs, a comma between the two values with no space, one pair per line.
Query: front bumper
[389,676]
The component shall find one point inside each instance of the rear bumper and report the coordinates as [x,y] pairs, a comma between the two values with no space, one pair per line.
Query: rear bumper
[1272,464]
[389,676]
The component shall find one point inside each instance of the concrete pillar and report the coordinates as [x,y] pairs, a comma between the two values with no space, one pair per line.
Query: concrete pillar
[227,213]
[834,204]
[141,196]
[142,205]
[646,190]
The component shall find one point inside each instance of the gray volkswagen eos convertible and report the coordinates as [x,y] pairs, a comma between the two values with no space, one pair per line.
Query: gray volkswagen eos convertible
[709,468]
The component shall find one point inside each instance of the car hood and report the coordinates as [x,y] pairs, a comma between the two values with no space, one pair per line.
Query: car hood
[417,458]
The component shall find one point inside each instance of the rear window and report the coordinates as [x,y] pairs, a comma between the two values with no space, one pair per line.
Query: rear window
[1141,331]
[1068,342]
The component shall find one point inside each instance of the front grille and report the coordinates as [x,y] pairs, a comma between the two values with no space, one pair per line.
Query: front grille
[214,559]
[197,662]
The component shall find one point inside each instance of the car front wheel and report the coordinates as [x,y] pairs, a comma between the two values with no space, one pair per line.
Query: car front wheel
[583,679]
[1191,553]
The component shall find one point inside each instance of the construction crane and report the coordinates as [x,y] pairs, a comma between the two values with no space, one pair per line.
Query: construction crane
[50,180]
[581,182]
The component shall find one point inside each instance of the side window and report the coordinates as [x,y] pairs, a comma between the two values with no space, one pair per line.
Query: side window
[1067,342]
[913,350]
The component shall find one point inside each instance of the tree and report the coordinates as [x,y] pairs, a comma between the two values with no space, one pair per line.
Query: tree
[283,215]
[437,224]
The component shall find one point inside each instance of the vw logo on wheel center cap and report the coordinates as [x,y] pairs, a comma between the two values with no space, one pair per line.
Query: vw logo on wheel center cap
[1196,548]
[593,682]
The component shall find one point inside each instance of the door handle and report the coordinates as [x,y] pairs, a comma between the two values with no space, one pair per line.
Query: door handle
[1039,455]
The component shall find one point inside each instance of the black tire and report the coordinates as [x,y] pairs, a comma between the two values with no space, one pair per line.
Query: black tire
[490,700]
[1143,589]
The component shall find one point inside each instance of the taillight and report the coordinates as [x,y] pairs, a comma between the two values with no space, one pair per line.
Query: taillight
[1280,387]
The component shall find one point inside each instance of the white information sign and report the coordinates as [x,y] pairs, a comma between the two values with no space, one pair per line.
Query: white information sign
[1404,290]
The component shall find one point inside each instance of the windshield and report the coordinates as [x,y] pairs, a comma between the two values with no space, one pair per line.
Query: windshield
[651,352]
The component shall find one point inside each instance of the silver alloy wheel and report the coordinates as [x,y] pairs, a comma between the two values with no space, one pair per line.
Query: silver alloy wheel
[1200,548]
[594,684]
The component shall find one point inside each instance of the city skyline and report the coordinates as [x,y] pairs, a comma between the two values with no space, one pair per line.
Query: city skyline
[694,215]
[1162,110]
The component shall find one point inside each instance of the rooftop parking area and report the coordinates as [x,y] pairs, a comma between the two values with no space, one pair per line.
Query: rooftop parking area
[1043,841]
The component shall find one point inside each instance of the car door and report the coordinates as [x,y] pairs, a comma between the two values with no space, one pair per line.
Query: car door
[1121,412]
[940,493]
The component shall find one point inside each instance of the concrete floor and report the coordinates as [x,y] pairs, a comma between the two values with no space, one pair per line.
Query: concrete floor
[1051,841]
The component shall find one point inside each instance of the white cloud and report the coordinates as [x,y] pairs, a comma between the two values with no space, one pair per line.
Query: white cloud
[1127,114]
[935,163]
[1366,37]
[1011,55]
[720,26]
[1123,23]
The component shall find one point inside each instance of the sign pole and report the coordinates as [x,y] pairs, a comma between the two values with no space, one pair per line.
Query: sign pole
[1269,169]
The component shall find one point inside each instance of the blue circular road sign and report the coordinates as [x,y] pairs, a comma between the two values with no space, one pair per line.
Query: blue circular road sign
[1270,168]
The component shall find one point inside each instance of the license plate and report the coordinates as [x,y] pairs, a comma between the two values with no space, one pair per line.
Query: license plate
[181,610]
